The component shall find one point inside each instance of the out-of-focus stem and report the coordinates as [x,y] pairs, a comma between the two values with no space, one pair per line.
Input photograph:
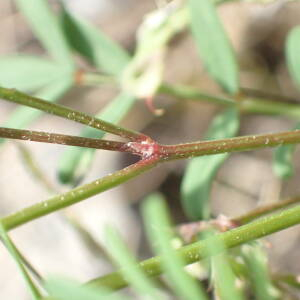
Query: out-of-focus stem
[246,103]
[264,210]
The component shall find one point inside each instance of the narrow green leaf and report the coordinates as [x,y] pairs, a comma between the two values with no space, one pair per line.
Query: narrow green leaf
[15,254]
[28,73]
[213,44]
[22,116]
[46,27]
[256,261]
[200,172]
[66,289]
[129,266]
[292,50]
[283,159]
[76,161]
[159,233]
[90,42]
[224,279]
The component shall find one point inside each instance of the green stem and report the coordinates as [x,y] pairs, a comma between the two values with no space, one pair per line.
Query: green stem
[263,210]
[83,192]
[67,113]
[152,154]
[187,92]
[247,104]
[61,139]
[199,250]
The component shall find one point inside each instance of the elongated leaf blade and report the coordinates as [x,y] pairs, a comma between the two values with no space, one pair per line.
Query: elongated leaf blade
[222,273]
[256,262]
[200,172]
[46,28]
[213,44]
[283,160]
[22,116]
[15,254]
[28,73]
[66,289]
[292,50]
[76,161]
[159,233]
[90,42]
[129,266]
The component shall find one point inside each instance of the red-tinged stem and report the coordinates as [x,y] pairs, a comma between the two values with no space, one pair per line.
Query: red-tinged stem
[65,112]
[61,139]
[244,143]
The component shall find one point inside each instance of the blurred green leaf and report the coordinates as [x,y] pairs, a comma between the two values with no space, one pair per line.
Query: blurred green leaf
[160,235]
[129,266]
[29,73]
[76,161]
[256,261]
[90,42]
[292,50]
[22,116]
[66,289]
[283,159]
[15,254]
[45,26]
[200,172]
[144,74]
[213,44]
[224,279]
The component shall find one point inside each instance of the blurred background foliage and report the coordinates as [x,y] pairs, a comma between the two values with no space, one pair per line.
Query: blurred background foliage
[137,63]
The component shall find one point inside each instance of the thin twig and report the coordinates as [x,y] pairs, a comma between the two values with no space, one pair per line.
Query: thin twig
[61,139]
[249,102]
[244,143]
[67,113]
[263,210]
[78,194]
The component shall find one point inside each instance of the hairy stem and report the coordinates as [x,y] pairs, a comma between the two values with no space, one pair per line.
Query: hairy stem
[199,250]
[61,139]
[83,192]
[67,113]
[244,143]
[152,154]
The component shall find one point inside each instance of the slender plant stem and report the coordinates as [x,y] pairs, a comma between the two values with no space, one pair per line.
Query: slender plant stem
[289,279]
[61,139]
[190,231]
[199,250]
[249,101]
[246,103]
[152,154]
[67,113]
[264,210]
[166,152]
[244,143]
[83,192]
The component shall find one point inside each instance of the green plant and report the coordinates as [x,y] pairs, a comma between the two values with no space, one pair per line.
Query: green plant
[141,76]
